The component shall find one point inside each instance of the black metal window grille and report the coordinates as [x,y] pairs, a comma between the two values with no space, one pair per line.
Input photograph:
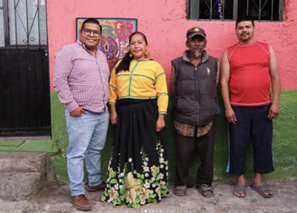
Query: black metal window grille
[24,71]
[261,10]
[23,23]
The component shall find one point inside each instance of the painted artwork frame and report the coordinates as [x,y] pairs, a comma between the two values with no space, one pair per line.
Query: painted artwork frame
[115,36]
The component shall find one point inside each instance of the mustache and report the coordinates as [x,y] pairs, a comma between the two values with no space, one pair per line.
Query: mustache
[197,48]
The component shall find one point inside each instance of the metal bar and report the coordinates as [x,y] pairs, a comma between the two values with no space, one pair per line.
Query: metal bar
[247,7]
[5,20]
[45,9]
[280,10]
[15,25]
[210,10]
[260,10]
[272,7]
[223,10]
[198,8]
[235,9]
[27,24]
[39,35]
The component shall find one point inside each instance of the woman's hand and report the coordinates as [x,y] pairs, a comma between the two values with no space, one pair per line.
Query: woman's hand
[113,115]
[160,124]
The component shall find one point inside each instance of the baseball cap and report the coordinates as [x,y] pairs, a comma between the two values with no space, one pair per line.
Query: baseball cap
[195,31]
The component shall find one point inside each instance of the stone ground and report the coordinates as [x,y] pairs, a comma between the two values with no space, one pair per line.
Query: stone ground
[54,198]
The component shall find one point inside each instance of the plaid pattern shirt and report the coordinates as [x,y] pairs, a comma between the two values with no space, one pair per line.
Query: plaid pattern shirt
[81,79]
[183,128]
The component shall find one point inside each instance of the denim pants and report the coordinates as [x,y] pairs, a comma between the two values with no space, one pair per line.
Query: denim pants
[87,135]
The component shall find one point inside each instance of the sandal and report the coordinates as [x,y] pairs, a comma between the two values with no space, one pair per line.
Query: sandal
[180,190]
[206,190]
[261,189]
[239,188]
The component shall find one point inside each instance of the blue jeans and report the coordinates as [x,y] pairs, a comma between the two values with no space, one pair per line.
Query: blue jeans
[87,135]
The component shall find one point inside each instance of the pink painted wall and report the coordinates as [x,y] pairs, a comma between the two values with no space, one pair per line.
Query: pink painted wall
[164,23]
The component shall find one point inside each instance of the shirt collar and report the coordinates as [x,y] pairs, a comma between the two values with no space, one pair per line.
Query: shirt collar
[187,58]
[84,46]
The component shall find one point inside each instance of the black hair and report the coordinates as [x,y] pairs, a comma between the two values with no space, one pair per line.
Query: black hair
[125,63]
[92,21]
[245,18]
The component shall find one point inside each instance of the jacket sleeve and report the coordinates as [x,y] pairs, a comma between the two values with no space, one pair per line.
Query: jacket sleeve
[161,89]
[113,88]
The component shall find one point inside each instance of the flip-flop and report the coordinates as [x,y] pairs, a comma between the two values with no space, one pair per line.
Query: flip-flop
[204,188]
[239,188]
[180,190]
[261,189]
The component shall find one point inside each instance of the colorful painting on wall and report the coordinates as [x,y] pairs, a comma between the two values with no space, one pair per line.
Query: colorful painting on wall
[115,36]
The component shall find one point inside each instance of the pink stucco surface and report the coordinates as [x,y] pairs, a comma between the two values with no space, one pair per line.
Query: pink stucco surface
[164,23]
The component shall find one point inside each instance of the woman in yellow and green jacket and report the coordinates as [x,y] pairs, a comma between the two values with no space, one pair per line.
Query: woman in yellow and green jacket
[138,168]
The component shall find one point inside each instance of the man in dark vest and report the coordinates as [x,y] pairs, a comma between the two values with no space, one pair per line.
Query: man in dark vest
[194,81]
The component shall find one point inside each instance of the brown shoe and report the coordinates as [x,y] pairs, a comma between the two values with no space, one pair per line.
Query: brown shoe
[81,202]
[99,187]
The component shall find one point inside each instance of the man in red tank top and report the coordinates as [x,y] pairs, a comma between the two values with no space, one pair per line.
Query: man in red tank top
[249,70]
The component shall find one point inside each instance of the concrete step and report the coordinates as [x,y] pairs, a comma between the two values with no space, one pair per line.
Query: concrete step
[22,162]
[22,175]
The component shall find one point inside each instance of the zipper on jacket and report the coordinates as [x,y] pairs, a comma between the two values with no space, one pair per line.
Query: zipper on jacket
[197,92]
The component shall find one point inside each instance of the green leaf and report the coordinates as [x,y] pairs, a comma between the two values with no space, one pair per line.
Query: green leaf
[122,197]
[135,205]
[164,187]
[164,192]
[153,195]
[112,175]
[113,181]
[103,198]
[122,190]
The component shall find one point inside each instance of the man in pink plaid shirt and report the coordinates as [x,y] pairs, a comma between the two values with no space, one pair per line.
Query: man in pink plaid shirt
[81,80]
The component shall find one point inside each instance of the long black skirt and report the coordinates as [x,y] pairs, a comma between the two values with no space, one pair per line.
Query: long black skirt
[138,168]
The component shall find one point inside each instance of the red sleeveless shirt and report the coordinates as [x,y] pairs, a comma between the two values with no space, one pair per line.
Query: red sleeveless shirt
[249,83]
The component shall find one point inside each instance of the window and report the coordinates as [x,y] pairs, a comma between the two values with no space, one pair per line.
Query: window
[261,10]
[22,23]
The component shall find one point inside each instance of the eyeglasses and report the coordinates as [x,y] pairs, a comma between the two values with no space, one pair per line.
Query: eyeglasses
[88,32]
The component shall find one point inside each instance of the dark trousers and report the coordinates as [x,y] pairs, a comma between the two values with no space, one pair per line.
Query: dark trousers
[186,147]
[252,122]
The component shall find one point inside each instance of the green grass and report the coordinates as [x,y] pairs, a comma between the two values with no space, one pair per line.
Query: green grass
[284,144]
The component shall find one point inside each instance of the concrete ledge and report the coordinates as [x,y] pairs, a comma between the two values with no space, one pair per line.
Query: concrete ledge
[22,162]
[16,186]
